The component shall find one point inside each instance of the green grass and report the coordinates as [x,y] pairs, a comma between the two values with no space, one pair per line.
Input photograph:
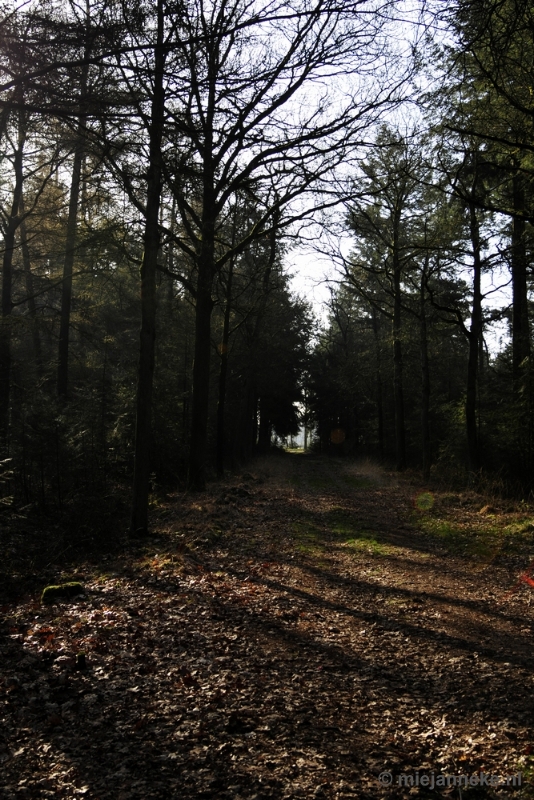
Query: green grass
[480,540]
[459,538]
[526,768]
[369,545]
[344,524]
[309,536]
[522,529]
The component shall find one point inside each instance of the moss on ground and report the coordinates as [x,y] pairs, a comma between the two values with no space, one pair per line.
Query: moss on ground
[61,591]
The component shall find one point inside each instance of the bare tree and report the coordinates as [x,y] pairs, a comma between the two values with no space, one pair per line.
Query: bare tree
[266,101]
[271,100]
[139,521]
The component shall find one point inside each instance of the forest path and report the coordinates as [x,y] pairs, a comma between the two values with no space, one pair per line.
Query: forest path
[294,632]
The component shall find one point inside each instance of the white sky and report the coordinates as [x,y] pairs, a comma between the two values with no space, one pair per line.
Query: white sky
[312,272]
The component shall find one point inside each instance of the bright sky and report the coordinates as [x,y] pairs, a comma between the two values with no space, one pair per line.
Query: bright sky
[314,273]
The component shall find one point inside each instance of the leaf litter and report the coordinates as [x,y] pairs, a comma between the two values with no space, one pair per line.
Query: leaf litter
[292,633]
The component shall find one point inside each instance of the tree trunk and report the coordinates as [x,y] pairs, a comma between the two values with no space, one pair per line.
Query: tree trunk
[70,245]
[520,322]
[223,373]
[264,430]
[147,339]
[260,425]
[474,338]
[28,277]
[425,380]
[201,383]
[7,279]
[379,390]
[400,434]
[244,440]
[185,392]
[203,309]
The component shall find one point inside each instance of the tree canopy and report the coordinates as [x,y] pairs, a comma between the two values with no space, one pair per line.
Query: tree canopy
[160,162]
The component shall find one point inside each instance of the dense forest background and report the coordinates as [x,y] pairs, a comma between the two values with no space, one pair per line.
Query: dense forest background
[160,162]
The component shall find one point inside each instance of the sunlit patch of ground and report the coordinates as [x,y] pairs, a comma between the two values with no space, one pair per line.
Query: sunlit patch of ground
[295,632]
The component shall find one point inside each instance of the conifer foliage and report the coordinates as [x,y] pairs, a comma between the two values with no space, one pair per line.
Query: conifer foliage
[158,162]
[154,156]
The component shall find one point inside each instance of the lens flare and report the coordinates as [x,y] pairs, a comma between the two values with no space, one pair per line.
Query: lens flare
[424,501]
[337,436]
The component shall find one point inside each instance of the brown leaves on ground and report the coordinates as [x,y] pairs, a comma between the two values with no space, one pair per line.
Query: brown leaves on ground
[293,633]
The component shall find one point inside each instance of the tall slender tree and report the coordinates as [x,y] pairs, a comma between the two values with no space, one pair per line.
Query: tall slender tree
[139,520]
[12,223]
[385,220]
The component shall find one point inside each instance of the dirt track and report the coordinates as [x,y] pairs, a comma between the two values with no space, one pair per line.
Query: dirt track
[292,633]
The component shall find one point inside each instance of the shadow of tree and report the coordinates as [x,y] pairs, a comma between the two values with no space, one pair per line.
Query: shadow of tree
[257,675]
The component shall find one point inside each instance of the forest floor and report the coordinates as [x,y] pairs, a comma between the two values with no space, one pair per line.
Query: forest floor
[312,629]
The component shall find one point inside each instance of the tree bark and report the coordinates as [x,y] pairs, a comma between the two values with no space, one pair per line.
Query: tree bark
[70,244]
[201,383]
[66,286]
[264,429]
[13,222]
[425,379]
[475,332]
[400,433]
[28,277]
[203,309]
[223,374]
[147,339]
[520,321]
[379,389]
